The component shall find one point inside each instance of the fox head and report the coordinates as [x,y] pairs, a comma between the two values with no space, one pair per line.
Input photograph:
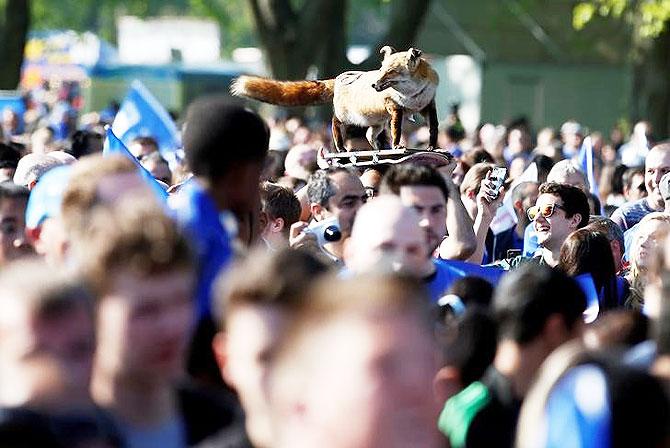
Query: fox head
[397,67]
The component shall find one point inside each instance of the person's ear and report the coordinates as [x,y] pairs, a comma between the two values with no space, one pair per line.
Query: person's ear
[277,225]
[518,205]
[575,220]
[317,211]
[220,349]
[555,332]
[447,383]
[471,194]
[33,234]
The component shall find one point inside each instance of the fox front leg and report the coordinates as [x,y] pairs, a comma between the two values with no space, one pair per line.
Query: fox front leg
[430,115]
[396,124]
[338,138]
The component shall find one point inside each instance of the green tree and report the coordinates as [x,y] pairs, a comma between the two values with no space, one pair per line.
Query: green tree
[13,29]
[650,54]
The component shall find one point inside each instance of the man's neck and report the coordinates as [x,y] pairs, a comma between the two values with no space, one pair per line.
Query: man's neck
[519,364]
[132,401]
[654,206]
[216,193]
[551,256]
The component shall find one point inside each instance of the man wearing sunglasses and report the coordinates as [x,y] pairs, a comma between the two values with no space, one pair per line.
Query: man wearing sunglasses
[657,163]
[560,210]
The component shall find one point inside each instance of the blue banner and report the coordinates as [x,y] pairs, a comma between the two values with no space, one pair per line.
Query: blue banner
[141,115]
[113,145]
[585,161]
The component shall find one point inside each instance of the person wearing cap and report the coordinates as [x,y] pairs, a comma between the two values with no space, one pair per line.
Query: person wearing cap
[44,226]
[657,164]
[572,135]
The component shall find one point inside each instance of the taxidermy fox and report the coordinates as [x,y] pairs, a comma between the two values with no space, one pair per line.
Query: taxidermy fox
[404,84]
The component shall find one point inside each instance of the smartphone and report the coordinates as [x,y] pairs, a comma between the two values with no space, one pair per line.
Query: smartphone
[498,176]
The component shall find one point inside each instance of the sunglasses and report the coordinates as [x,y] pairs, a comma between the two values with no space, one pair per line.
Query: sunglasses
[546,211]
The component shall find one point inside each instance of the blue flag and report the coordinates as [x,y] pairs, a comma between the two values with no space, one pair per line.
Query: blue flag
[585,161]
[141,115]
[115,146]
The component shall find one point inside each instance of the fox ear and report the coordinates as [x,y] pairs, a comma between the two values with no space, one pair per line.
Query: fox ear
[414,53]
[387,51]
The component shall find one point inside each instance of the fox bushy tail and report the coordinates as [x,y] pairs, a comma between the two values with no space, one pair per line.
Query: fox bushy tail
[284,93]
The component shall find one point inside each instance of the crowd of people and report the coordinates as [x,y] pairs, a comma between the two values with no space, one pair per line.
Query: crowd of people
[273,300]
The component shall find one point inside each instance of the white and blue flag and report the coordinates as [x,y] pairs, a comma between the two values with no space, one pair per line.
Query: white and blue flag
[142,115]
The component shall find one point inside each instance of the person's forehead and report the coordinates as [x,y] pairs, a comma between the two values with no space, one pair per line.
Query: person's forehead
[421,195]
[346,183]
[130,285]
[548,198]
[657,159]
[403,230]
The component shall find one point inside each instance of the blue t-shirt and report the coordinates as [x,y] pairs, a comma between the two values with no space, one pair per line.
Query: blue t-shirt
[197,214]
[631,213]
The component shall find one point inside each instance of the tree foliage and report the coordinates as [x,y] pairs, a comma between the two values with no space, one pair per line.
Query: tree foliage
[647,16]
[14,21]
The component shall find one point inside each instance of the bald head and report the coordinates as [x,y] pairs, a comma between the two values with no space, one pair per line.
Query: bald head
[386,236]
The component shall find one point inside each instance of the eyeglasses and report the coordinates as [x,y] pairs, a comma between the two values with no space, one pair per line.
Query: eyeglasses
[546,211]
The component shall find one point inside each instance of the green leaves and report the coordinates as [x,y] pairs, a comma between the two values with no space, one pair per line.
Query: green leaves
[648,17]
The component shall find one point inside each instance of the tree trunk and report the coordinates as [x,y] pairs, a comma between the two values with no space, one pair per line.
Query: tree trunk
[651,86]
[13,41]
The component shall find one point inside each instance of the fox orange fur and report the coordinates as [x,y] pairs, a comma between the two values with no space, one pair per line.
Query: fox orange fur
[405,83]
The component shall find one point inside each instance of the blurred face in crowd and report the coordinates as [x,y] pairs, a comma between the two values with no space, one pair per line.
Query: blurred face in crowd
[656,165]
[529,199]
[649,237]
[244,352]
[637,190]
[368,384]
[141,150]
[572,140]
[349,197]
[13,242]
[159,170]
[431,205]
[554,229]
[144,325]
[371,180]
[46,359]
[395,242]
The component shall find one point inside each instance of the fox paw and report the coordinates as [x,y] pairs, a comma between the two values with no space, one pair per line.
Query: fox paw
[399,147]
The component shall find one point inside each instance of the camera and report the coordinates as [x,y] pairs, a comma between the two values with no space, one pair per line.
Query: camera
[326,231]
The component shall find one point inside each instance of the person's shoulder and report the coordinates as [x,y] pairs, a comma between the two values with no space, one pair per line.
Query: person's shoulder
[460,411]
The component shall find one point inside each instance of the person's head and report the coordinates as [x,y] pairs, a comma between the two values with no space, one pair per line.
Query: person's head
[572,134]
[85,142]
[141,147]
[567,172]
[301,161]
[634,186]
[371,180]
[98,180]
[44,224]
[9,160]
[625,406]
[469,188]
[587,251]
[524,196]
[538,308]
[46,338]
[13,241]
[518,141]
[140,268]
[158,167]
[256,299]
[614,235]
[336,192]
[280,209]
[468,347]
[358,355]
[225,146]
[392,243]
[423,189]
[656,164]
[560,210]
[652,230]
[41,140]
[33,166]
